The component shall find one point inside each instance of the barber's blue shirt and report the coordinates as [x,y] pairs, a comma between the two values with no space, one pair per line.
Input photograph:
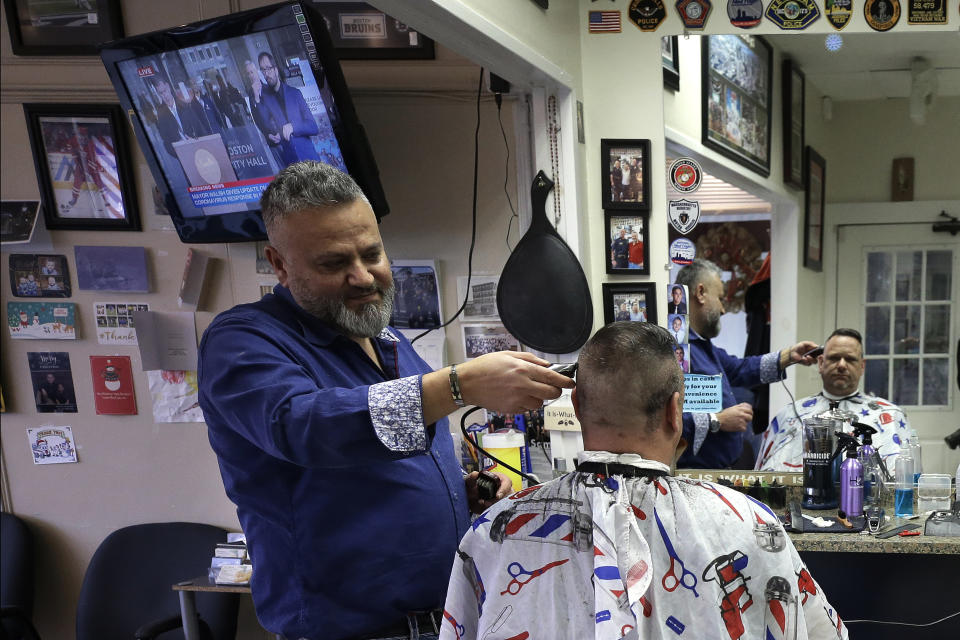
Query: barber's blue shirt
[719,450]
[352,506]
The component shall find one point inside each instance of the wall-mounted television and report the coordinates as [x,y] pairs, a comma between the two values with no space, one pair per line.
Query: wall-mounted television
[221,106]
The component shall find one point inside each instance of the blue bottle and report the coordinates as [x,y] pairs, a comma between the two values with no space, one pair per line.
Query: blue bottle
[903,497]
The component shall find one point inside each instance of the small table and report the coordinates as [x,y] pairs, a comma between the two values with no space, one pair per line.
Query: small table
[188,601]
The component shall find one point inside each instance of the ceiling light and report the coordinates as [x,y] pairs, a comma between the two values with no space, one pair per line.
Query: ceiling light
[833,42]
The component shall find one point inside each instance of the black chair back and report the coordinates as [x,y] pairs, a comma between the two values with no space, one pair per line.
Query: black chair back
[16,578]
[129,579]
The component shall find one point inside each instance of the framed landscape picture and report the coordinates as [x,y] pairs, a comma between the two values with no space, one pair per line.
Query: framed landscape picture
[62,27]
[634,301]
[83,166]
[625,166]
[736,99]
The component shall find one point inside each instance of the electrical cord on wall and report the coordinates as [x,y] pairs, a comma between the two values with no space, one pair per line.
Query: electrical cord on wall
[498,97]
[473,229]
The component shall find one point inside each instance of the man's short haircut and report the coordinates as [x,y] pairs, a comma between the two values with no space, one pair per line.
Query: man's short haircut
[848,333]
[627,370]
[306,185]
[697,272]
[677,288]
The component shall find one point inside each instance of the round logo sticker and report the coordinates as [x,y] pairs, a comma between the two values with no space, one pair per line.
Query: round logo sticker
[685,175]
[682,251]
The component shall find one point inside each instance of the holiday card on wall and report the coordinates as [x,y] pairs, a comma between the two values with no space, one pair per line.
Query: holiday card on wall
[113,385]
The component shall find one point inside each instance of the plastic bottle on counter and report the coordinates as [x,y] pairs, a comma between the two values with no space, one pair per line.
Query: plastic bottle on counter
[915,454]
[903,495]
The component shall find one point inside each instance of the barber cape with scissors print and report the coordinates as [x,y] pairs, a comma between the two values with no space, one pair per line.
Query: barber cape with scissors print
[591,555]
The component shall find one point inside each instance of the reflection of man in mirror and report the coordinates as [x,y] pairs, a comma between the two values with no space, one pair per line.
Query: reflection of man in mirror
[841,367]
[288,122]
[717,438]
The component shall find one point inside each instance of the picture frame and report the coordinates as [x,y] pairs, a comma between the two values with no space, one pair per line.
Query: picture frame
[736,97]
[619,297]
[794,93]
[360,31]
[670,60]
[35,275]
[623,234]
[93,137]
[815,196]
[625,192]
[62,28]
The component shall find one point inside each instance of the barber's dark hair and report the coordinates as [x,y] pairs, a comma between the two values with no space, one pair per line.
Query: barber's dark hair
[697,272]
[306,185]
[627,369]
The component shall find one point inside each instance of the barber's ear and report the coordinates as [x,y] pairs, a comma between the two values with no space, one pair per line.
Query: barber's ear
[276,261]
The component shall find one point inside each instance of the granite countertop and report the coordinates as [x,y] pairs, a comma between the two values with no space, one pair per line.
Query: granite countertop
[866,543]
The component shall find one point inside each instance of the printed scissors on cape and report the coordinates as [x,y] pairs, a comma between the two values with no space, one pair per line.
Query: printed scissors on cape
[515,569]
[670,581]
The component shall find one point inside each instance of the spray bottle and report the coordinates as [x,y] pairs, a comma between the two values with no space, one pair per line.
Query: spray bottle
[874,475]
[851,476]
[903,496]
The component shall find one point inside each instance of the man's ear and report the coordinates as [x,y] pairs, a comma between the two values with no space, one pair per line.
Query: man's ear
[673,419]
[276,261]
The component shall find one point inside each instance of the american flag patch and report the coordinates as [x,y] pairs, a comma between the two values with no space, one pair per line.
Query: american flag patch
[604,22]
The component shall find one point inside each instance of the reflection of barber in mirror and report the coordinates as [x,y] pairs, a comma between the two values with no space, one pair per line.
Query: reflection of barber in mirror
[841,367]
[717,438]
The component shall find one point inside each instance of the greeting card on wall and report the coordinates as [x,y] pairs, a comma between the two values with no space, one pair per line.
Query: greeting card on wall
[52,381]
[112,269]
[175,396]
[115,323]
[113,393]
[41,320]
[39,276]
[52,445]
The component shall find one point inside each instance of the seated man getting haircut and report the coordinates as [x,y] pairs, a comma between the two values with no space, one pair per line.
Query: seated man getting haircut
[841,367]
[622,549]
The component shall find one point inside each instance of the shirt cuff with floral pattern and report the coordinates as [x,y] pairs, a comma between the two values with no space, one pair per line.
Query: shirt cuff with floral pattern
[396,410]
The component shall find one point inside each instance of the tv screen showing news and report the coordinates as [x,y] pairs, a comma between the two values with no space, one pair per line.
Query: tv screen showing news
[221,106]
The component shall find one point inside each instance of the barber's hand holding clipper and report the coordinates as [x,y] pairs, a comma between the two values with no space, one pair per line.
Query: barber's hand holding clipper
[505,382]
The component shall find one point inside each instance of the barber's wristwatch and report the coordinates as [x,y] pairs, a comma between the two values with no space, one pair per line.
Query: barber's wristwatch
[714,423]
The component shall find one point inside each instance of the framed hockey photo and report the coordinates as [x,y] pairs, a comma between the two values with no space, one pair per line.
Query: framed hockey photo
[634,301]
[62,27]
[628,244]
[83,166]
[626,174]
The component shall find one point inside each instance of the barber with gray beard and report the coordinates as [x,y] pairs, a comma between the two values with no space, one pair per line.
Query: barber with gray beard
[331,433]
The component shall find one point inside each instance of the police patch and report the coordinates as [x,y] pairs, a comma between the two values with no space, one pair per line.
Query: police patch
[684,215]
